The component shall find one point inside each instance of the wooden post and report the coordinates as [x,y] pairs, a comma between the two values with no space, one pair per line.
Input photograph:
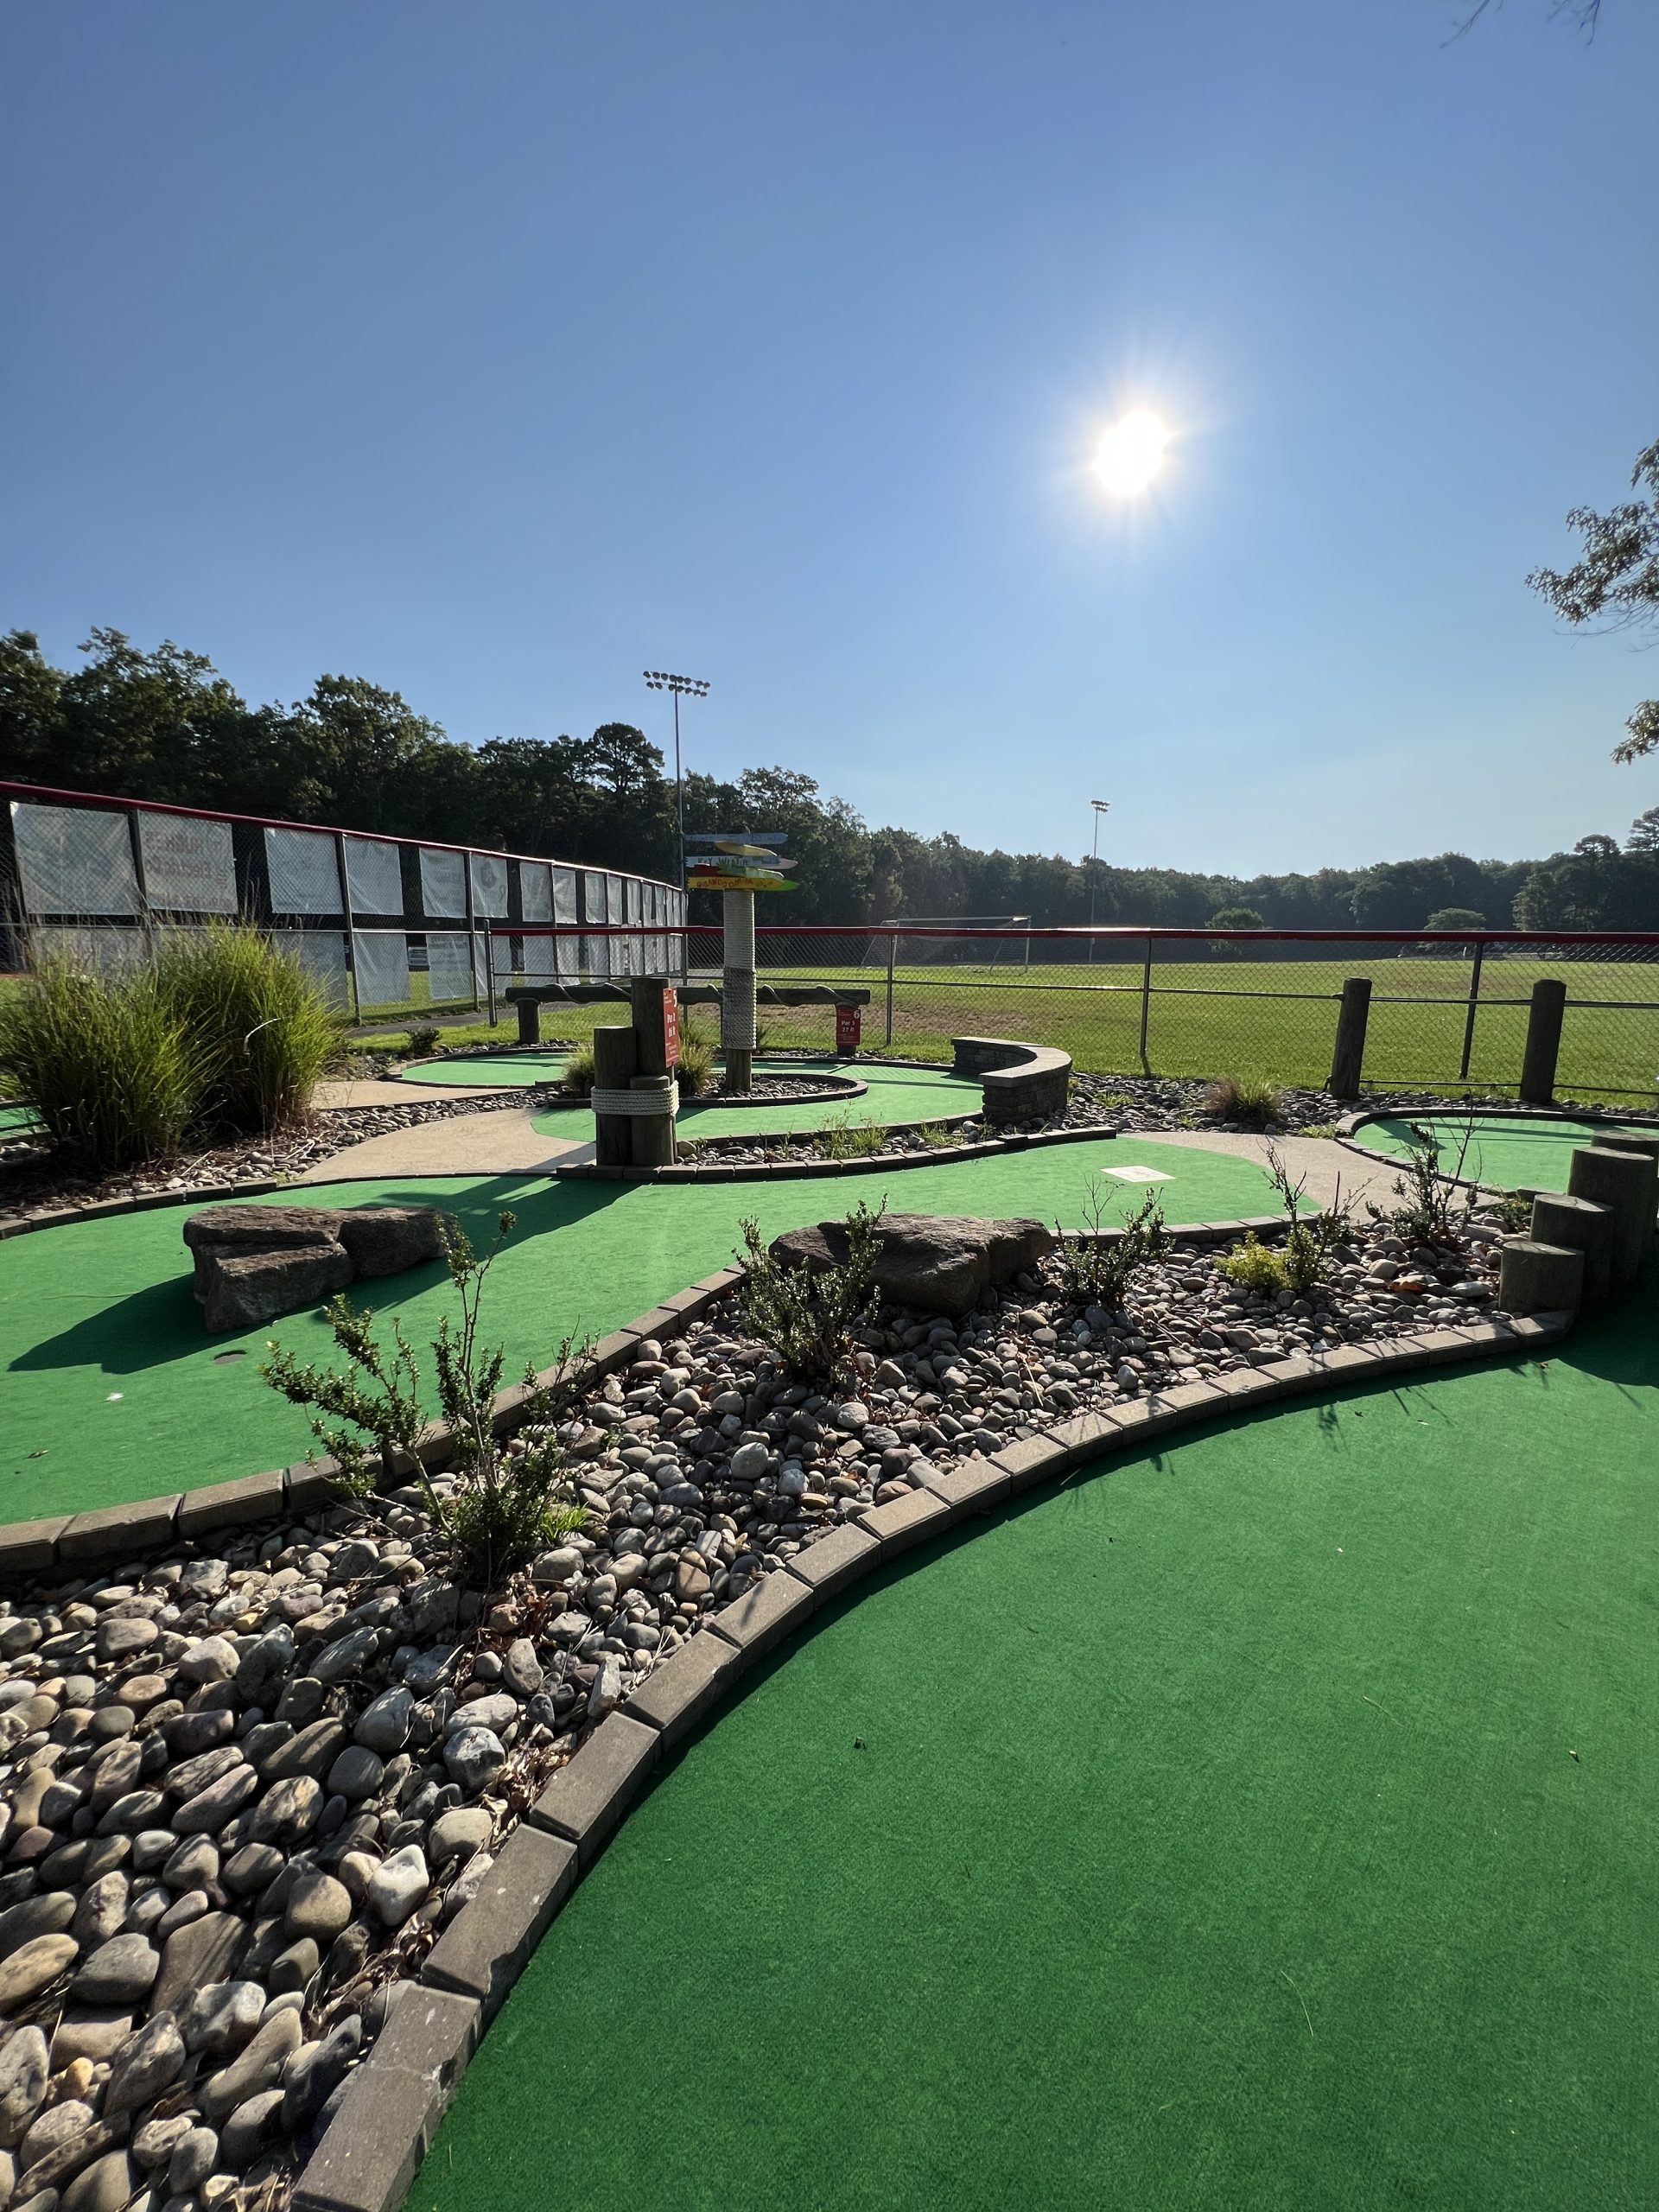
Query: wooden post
[351,936]
[1349,1058]
[653,1133]
[530,1021]
[1543,1042]
[646,998]
[1625,1183]
[893,953]
[615,1065]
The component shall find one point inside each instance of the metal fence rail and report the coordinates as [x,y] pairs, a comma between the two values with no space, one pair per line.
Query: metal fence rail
[1448,1012]
[389,925]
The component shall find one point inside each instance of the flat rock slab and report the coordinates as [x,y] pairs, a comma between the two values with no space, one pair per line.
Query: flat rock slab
[255,1263]
[940,1266]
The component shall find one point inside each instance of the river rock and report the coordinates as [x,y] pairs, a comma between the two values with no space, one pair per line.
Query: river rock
[219,2019]
[47,1914]
[257,2068]
[105,2186]
[935,1265]
[475,1757]
[24,2070]
[398,1884]
[32,1966]
[154,2057]
[317,1906]
[192,2158]
[117,1971]
[316,2069]
[202,1953]
[383,1726]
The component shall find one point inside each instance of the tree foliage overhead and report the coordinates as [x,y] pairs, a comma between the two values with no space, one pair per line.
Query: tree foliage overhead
[165,725]
[1616,583]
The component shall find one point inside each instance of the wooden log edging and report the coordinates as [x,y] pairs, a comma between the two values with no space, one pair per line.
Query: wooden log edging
[368,2159]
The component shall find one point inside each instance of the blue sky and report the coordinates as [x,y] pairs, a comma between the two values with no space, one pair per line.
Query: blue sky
[498,353]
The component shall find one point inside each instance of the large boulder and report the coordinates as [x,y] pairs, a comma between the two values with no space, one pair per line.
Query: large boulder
[253,1263]
[936,1265]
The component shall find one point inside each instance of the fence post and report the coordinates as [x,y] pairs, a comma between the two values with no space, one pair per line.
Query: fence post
[1543,1042]
[146,918]
[893,954]
[1349,1058]
[350,935]
[489,973]
[1145,1004]
[472,923]
[1474,1002]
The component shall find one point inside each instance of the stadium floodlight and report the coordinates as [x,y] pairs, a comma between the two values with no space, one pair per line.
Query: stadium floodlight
[1100,806]
[683,687]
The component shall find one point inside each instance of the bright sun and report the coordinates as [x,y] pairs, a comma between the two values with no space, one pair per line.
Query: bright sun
[1131,454]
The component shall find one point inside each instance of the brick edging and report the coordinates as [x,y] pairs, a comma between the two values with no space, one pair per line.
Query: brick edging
[368,2159]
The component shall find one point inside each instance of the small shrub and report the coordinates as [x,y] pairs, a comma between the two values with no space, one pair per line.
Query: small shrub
[1310,1239]
[1096,1269]
[504,1505]
[806,1314]
[261,1031]
[577,1080]
[104,1060]
[423,1040]
[1514,1214]
[939,1136]
[1430,1206]
[1248,1098]
[1253,1267]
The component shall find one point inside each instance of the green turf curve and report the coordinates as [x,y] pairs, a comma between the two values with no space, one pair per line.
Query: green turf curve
[1521,1154]
[110,1390]
[18,1120]
[895,1094]
[1206,1835]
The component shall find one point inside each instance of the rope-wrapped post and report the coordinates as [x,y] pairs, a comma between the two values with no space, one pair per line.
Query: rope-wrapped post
[657,1100]
[737,1003]
[616,1062]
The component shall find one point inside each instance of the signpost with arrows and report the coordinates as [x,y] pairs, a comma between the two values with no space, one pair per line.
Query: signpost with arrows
[738,866]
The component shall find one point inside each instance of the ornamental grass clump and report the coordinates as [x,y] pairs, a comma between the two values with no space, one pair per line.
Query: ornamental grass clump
[504,1504]
[263,1035]
[105,1059]
[808,1314]
[1249,1099]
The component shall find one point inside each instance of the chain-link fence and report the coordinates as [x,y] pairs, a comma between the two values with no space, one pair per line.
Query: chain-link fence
[390,926]
[1446,1012]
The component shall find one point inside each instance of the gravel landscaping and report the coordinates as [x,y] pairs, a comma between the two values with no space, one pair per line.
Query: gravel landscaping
[246,1785]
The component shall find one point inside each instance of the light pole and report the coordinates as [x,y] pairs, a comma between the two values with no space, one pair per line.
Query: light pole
[1100,806]
[688,687]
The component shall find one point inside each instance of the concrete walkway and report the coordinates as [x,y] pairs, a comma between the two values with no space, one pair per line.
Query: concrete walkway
[503,1143]
[376,1092]
[1321,1160]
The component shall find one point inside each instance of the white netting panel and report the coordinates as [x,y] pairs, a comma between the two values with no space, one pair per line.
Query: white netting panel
[595,951]
[381,958]
[535,891]
[443,886]
[190,865]
[101,952]
[303,872]
[569,949]
[539,963]
[373,876]
[322,955]
[74,860]
[489,885]
[450,964]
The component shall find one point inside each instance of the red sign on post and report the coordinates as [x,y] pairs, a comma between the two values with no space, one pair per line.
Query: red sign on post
[849,1027]
[671,1026]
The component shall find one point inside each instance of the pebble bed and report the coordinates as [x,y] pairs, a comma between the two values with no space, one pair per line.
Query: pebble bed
[30,1184]
[244,1786]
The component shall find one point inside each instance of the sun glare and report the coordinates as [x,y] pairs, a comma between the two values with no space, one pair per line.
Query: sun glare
[1131,454]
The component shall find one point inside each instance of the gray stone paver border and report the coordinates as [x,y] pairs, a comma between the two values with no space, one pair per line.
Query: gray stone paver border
[367,2160]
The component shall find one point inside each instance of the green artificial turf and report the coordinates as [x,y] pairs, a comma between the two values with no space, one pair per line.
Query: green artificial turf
[506,1070]
[894,1094]
[18,1120]
[1517,1154]
[1268,1821]
[110,1390]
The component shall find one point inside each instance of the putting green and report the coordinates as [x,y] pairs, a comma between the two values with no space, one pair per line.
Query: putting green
[894,1094]
[111,1391]
[17,1120]
[1518,1153]
[488,1070]
[1266,1822]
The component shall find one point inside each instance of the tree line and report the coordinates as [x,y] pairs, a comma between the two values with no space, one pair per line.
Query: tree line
[166,725]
